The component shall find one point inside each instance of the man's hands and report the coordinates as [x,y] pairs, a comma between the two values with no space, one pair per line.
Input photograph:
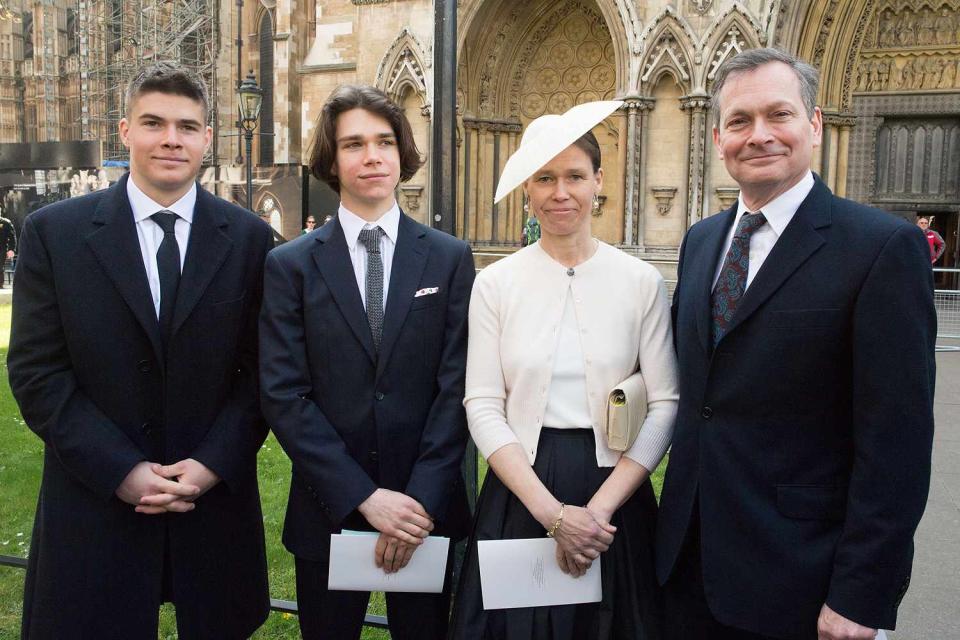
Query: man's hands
[581,538]
[403,523]
[153,488]
[392,554]
[144,482]
[833,626]
[397,515]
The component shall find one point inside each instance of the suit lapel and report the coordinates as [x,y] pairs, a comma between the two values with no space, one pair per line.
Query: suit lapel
[409,260]
[114,243]
[333,260]
[703,273]
[799,241]
[206,251]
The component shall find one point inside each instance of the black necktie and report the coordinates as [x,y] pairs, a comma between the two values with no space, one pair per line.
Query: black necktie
[168,267]
[374,284]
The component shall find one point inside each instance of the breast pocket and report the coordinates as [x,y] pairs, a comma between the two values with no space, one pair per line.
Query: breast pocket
[805,318]
[426,302]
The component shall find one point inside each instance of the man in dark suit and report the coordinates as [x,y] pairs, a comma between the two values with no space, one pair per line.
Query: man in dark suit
[8,245]
[363,338]
[133,356]
[805,332]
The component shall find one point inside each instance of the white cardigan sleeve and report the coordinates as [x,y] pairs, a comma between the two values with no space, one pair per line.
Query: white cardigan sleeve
[658,363]
[485,397]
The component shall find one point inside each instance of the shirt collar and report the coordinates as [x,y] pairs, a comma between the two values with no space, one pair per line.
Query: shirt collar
[353,224]
[780,211]
[143,206]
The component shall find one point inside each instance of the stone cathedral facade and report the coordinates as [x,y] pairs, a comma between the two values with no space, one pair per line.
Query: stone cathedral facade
[890,92]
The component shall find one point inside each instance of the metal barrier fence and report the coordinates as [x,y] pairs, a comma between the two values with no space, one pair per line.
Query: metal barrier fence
[947,300]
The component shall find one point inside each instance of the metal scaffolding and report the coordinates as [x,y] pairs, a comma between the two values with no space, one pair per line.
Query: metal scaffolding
[118,36]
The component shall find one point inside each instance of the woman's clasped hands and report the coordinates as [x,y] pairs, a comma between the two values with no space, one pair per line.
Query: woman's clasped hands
[581,537]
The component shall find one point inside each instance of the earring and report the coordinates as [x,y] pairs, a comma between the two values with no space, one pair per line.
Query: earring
[596,203]
[526,208]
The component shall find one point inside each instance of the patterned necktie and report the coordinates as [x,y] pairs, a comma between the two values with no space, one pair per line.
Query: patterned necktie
[374,286]
[733,275]
[168,268]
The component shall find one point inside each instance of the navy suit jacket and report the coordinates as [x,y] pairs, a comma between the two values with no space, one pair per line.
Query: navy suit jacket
[351,420]
[93,381]
[806,434]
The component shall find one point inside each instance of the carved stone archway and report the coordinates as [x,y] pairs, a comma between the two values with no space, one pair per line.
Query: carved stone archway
[519,61]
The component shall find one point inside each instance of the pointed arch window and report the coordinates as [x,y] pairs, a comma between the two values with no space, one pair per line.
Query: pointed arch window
[266,85]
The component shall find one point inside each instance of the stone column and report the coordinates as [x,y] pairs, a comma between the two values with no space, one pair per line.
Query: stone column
[696,104]
[638,109]
[845,124]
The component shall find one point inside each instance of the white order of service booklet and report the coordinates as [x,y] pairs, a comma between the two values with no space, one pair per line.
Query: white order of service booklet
[352,567]
[525,573]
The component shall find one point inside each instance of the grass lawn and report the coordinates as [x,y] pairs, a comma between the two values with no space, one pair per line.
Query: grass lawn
[21,455]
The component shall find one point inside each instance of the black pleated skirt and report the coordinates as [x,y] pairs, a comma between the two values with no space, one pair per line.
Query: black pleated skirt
[631,608]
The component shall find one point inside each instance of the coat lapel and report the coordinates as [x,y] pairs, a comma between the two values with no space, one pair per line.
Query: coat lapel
[704,270]
[333,259]
[409,260]
[207,249]
[114,243]
[799,241]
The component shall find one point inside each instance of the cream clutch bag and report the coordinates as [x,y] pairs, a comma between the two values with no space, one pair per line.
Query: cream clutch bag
[626,411]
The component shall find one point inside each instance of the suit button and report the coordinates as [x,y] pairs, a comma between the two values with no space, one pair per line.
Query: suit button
[378,395]
[706,413]
[374,456]
[147,428]
[143,366]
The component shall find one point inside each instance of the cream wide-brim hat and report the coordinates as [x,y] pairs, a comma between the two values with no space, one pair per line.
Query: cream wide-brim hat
[546,137]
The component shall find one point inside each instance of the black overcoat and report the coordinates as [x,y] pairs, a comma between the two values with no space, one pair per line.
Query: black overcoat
[93,381]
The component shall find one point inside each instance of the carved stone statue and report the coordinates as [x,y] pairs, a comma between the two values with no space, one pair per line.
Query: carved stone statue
[888,29]
[925,28]
[884,72]
[874,77]
[934,69]
[905,29]
[944,26]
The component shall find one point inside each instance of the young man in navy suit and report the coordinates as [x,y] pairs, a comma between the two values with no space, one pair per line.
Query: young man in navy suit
[363,351]
[805,332]
[133,356]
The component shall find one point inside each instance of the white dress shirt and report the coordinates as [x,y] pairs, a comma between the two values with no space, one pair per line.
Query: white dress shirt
[778,212]
[150,234]
[352,225]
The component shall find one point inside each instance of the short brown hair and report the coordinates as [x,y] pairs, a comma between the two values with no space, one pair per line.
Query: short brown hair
[169,78]
[344,98]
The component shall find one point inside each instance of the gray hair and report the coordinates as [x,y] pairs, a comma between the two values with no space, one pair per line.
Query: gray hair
[751,59]
[169,78]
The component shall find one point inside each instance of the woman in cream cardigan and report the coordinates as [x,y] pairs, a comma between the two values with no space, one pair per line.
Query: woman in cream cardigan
[553,328]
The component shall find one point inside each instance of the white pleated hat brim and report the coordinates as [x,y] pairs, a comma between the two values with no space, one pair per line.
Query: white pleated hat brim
[546,137]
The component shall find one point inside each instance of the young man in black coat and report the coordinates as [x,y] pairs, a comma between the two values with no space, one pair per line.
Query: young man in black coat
[133,356]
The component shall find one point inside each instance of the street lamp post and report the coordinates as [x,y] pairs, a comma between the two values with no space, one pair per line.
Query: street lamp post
[251,97]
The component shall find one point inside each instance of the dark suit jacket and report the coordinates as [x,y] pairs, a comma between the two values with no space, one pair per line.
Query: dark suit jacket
[352,421]
[807,433]
[92,380]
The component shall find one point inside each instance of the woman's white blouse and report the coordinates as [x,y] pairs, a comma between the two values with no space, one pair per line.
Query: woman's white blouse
[515,315]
